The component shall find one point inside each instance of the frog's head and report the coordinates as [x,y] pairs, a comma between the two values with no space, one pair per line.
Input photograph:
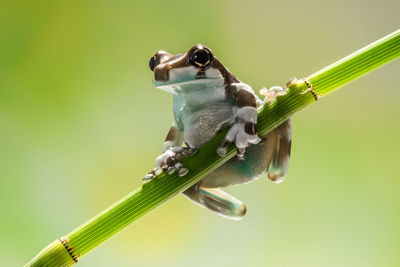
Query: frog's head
[194,69]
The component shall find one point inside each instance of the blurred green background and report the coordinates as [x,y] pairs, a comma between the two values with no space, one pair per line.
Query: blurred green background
[81,123]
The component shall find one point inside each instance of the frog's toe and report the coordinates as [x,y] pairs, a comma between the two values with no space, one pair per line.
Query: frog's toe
[172,165]
[246,138]
[179,168]
[241,153]
[241,149]
[182,152]
[190,151]
[223,147]
[170,162]
[170,170]
[148,177]
[244,135]
[291,81]
[183,171]
[157,171]
[179,156]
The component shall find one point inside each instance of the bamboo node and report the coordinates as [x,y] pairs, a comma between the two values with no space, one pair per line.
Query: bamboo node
[309,89]
[71,250]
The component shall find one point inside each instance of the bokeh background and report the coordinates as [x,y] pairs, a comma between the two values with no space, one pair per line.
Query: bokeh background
[81,123]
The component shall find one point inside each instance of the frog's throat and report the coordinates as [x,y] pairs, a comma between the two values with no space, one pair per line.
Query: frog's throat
[189,86]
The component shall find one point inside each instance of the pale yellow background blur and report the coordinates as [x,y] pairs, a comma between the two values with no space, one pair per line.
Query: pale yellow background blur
[81,123]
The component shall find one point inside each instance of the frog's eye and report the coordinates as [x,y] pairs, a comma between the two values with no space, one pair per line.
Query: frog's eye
[200,57]
[153,62]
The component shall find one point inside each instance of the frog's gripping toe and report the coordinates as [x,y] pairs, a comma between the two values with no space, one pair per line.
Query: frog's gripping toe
[170,169]
[244,135]
[223,147]
[148,177]
[169,161]
[152,174]
[240,151]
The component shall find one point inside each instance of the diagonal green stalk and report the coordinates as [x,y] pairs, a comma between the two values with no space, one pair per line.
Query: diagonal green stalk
[67,250]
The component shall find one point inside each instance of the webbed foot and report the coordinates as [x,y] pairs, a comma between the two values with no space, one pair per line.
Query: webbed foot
[217,201]
[169,161]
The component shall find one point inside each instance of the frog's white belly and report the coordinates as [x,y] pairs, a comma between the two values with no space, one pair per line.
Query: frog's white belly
[202,125]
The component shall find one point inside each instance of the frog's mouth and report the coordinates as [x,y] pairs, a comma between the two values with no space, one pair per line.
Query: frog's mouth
[177,87]
[187,78]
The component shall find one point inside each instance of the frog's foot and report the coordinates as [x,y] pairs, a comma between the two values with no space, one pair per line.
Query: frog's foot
[281,152]
[244,134]
[291,81]
[275,91]
[170,161]
[217,201]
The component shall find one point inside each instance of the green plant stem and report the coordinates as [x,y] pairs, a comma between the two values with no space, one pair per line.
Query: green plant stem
[145,198]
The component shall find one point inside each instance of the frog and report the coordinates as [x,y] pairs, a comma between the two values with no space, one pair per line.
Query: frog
[207,99]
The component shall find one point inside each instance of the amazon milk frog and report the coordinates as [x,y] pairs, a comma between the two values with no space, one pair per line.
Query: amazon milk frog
[207,98]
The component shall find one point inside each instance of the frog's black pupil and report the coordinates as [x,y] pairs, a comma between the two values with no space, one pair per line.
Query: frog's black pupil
[152,63]
[201,57]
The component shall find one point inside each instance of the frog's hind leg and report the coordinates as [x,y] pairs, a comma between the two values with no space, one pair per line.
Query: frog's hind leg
[281,155]
[271,156]
[217,201]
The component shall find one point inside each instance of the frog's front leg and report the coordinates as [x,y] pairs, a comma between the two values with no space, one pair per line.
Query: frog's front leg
[244,130]
[171,154]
